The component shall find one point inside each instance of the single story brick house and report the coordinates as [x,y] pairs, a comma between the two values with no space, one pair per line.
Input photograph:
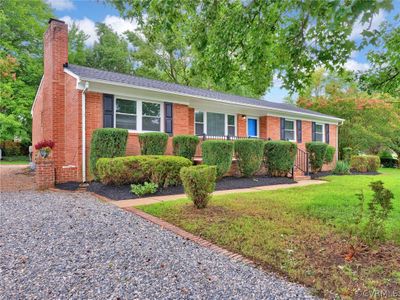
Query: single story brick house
[72,101]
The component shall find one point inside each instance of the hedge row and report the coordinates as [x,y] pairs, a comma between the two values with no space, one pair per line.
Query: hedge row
[162,170]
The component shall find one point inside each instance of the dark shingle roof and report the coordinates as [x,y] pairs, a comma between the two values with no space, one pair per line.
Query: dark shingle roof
[113,77]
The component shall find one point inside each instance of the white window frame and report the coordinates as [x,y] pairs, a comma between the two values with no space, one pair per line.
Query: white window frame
[323,131]
[205,121]
[139,114]
[258,126]
[294,129]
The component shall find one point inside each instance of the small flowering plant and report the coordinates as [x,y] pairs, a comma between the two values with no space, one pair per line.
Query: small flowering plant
[45,148]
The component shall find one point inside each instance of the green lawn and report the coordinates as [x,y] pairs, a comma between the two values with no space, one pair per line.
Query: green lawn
[302,232]
[14,160]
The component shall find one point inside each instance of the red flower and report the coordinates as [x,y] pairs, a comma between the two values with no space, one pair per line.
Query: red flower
[44,144]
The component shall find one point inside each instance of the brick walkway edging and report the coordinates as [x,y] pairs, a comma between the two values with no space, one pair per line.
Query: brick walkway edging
[189,236]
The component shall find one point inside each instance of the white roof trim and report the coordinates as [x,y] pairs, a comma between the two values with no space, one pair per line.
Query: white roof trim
[37,93]
[338,120]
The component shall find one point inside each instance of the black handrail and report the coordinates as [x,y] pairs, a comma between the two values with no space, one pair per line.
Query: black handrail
[302,161]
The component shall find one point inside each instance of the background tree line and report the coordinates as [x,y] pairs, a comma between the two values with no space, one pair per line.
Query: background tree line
[231,46]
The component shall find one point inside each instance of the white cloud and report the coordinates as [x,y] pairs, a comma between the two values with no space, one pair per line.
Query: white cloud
[86,25]
[353,65]
[119,25]
[359,27]
[61,4]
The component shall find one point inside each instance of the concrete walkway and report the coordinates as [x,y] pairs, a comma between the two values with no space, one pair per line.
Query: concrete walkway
[156,199]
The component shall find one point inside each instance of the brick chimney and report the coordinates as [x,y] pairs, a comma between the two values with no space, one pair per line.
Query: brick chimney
[53,112]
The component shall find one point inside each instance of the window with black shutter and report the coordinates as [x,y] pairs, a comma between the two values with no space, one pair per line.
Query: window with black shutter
[108,111]
[299,131]
[168,118]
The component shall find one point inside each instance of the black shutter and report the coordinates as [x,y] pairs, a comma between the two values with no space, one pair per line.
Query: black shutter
[314,136]
[299,133]
[108,111]
[283,129]
[327,133]
[168,117]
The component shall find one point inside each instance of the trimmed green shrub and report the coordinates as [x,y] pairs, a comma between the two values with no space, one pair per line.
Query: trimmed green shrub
[347,153]
[249,154]
[162,170]
[342,168]
[123,170]
[199,183]
[106,142]
[144,189]
[165,170]
[316,152]
[330,152]
[185,145]
[219,154]
[153,143]
[365,163]
[279,157]
[373,163]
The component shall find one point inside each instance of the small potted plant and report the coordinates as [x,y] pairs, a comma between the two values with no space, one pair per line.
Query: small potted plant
[45,147]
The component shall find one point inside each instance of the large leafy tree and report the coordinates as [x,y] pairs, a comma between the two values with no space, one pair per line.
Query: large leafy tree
[238,45]
[384,73]
[22,24]
[110,52]
[78,53]
[371,121]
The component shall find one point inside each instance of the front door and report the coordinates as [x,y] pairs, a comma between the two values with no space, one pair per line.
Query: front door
[252,127]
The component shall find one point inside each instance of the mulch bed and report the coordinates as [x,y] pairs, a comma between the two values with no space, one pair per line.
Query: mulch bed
[329,173]
[227,183]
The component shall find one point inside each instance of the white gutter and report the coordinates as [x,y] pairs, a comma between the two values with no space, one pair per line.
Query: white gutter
[309,115]
[84,131]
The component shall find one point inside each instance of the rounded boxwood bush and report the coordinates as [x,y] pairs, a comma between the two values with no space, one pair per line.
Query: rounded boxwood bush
[329,154]
[199,183]
[365,163]
[162,170]
[279,157]
[249,154]
[185,145]
[153,143]
[106,142]
[316,152]
[219,154]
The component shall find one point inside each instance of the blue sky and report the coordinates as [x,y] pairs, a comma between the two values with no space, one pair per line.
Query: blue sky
[85,13]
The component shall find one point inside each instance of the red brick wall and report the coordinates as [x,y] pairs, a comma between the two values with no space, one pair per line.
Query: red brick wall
[191,121]
[273,128]
[263,127]
[94,120]
[45,173]
[241,126]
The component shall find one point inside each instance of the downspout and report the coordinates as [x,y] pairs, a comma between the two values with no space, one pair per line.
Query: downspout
[84,131]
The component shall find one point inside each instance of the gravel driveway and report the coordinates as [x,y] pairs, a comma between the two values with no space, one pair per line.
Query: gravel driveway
[62,245]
